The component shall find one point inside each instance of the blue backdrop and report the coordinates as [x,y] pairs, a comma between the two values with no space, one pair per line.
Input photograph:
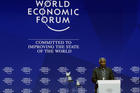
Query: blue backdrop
[105,28]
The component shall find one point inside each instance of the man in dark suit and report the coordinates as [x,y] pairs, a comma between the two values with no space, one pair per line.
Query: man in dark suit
[101,73]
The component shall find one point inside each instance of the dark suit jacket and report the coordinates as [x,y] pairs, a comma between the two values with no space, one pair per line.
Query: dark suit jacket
[97,75]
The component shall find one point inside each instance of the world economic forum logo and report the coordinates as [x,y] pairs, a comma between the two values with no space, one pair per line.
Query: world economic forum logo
[26,90]
[8,70]
[62,80]
[45,70]
[118,70]
[81,80]
[63,70]
[81,70]
[135,80]
[45,90]
[55,14]
[8,91]
[45,81]
[63,90]
[135,69]
[26,70]
[8,81]
[135,90]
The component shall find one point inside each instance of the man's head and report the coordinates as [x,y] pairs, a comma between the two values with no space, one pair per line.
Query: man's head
[102,62]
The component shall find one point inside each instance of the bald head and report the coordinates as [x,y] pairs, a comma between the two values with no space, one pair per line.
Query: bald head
[102,62]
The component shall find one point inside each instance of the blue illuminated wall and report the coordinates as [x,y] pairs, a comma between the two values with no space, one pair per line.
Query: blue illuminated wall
[108,28]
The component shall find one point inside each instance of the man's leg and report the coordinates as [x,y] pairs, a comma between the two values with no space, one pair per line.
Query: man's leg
[95,90]
[96,87]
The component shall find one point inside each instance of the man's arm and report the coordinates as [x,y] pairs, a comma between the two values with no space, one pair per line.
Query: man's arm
[111,75]
[94,76]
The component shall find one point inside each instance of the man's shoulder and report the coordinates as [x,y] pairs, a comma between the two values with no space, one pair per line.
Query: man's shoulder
[96,68]
[108,68]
